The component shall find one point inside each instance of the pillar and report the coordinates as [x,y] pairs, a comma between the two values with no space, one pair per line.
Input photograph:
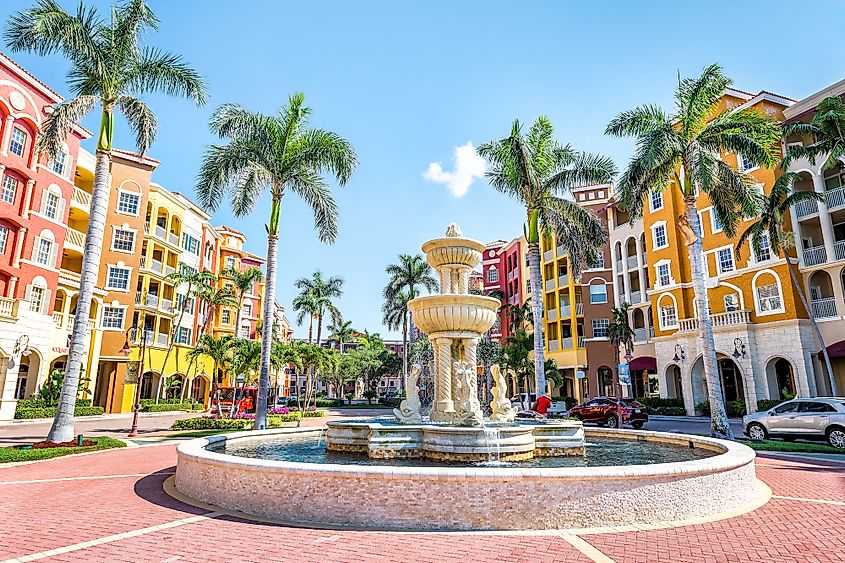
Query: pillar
[617,294]
[824,219]
[443,378]
[27,199]
[573,309]
[445,279]
[641,269]
[7,389]
[16,259]
[7,134]
[626,281]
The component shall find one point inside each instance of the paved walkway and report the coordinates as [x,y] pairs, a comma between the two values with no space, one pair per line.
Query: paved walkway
[110,506]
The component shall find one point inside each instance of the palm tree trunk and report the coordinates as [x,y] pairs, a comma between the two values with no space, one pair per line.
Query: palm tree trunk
[62,428]
[267,335]
[404,352]
[537,309]
[828,368]
[173,331]
[618,390]
[719,425]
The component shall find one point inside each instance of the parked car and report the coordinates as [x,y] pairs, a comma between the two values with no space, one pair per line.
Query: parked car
[604,410]
[819,418]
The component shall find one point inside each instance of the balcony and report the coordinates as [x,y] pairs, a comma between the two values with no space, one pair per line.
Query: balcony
[554,345]
[161,340]
[151,300]
[631,262]
[166,306]
[156,266]
[563,281]
[549,285]
[75,240]
[824,308]
[806,208]
[839,249]
[58,319]
[636,297]
[168,270]
[579,309]
[8,308]
[81,199]
[69,278]
[559,251]
[548,255]
[814,256]
[551,315]
[835,198]
[173,239]
[138,298]
[643,334]
[719,320]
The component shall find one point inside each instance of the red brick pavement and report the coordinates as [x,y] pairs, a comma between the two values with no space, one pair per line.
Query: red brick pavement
[45,515]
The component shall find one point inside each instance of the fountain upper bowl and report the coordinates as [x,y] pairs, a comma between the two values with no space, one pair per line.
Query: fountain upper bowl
[456,313]
[456,251]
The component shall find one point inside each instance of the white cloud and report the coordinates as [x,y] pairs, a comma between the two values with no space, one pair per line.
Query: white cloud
[468,167]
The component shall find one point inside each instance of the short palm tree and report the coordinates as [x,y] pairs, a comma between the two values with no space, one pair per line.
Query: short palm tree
[620,334]
[109,68]
[276,153]
[218,350]
[826,129]
[342,333]
[246,359]
[243,283]
[409,276]
[683,150]
[768,234]
[321,293]
[538,171]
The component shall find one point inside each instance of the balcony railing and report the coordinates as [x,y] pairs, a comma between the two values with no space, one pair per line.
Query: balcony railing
[511,275]
[641,334]
[58,319]
[151,300]
[835,198]
[730,318]
[824,308]
[166,306]
[580,341]
[806,208]
[553,345]
[563,281]
[74,237]
[173,238]
[551,314]
[548,255]
[161,232]
[579,309]
[67,277]
[566,343]
[81,198]
[631,262]
[168,270]
[92,324]
[559,250]
[550,285]
[8,308]
[156,266]
[815,255]
[161,340]
[636,297]
[565,311]
[839,249]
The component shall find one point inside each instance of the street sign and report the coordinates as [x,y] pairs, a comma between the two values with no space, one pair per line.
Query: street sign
[624,374]
[580,374]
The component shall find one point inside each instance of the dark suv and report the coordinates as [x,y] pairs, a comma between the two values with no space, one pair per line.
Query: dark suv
[604,410]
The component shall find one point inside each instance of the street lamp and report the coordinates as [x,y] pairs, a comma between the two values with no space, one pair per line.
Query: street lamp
[131,335]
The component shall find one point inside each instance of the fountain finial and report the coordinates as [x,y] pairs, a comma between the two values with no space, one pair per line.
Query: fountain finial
[453,230]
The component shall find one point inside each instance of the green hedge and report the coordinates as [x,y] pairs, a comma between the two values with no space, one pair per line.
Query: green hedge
[276,420]
[42,404]
[202,423]
[49,412]
[320,403]
[766,404]
[669,411]
[166,407]
[652,404]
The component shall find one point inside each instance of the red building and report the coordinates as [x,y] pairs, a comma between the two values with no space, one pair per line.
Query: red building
[505,270]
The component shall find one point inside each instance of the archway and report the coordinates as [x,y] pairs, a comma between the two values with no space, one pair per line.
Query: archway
[674,382]
[59,363]
[199,388]
[605,382]
[731,375]
[781,379]
[149,384]
[822,298]
[172,386]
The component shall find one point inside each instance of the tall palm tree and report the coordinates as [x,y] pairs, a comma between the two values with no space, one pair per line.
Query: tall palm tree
[410,275]
[683,150]
[768,234]
[826,129]
[620,334]
[109,68]
[395,316]
[538,171]
[218,350]
[322,292]
[243,283]
[274,153]
[285,354]
[342,333]
[305,305]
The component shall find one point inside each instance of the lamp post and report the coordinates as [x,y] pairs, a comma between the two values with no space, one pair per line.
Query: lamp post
[131,334]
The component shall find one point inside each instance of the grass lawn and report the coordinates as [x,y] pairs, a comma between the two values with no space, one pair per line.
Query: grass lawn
[797,447]
[12,453]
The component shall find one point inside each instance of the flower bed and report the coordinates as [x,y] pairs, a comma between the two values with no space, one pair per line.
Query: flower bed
[44,450]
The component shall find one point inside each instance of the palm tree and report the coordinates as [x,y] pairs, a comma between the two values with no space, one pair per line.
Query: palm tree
[410,276]
[620,333]
[274,153]
[371,341]
[683,149]
[109,68]
[321,293]
[219,351]
[827,129]
[305,305]
[518,315]
[768,233]
[284,354]
[246,359]
[342,333]
[395,316]
[536,170]
[243,283]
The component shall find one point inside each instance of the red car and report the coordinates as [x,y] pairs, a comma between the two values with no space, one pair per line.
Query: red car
[603,410]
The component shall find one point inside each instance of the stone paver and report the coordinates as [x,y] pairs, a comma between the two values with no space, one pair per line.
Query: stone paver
[58,504]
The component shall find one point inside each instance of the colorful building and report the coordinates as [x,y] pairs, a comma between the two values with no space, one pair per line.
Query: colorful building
[505,274]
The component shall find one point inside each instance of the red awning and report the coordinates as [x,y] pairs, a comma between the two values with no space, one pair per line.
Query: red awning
[837,350]
[643,363]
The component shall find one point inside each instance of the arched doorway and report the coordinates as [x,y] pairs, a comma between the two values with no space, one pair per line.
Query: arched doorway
[732,388]
[149,384]
[199,389]
[58,363]
[172,386]
[674,382]
[605,382]
[28,371]
[781,379]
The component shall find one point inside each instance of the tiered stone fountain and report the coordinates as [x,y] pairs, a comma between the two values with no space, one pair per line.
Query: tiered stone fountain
[454,320]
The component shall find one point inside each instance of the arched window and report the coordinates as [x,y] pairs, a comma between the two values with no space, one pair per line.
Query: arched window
[668,309]
[38,295]
[768,295]
[44,249]
[52,203]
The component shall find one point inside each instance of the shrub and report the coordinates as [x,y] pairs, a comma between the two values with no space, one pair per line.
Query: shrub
[652,404]
[766,404]
[14,453]
[207,423]
[49,412]
[313,414]
[390,401]
[670,411]
[166,407]
[162,401]
[41,403]
[738,407]
[703,407]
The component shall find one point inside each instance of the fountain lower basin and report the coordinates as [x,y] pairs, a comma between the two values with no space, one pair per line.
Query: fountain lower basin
[410,495]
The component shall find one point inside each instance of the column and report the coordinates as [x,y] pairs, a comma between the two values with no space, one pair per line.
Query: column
[7,389]
[13,285]
[626,281]
[824,219]
[445,279]
[617,296]
[573,312]
[27,198]
[471,351]
[641,269]
[796,233]
[443,404]
[463,277]
[16,259]
[7,134]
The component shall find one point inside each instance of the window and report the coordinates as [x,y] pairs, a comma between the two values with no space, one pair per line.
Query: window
[245,331]
[113,317]
[656,200]
[127,203]
[117,278]
[600,327]
[664,276]
[715,224]
[230,263]
[659,232]
[493,275]
[668,316]
[725,260]
[190,244]
[743,163]
[226,317]
[60,163]
[43,251]
[51,205]
[247,309]
[815,407]
[598,293]
[731,302]
[183,335]
[786,407]
[4,235]
[185,303]
[18,142]
[123,240]
[598,264]
[36,298]
[10,187]
[765,251]
[768,298]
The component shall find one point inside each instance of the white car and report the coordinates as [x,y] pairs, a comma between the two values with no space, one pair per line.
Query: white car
[817,418]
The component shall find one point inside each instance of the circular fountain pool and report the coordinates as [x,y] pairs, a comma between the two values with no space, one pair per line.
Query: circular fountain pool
[624,478]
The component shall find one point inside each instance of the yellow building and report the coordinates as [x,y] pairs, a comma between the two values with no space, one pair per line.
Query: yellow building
[761,335]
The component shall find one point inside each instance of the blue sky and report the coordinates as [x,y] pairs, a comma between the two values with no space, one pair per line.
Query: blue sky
[409,82]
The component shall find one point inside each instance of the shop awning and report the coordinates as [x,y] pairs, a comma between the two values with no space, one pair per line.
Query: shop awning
[837,350]
[643,363]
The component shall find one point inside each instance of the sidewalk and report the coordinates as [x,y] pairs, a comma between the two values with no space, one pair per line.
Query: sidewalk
[115,416]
